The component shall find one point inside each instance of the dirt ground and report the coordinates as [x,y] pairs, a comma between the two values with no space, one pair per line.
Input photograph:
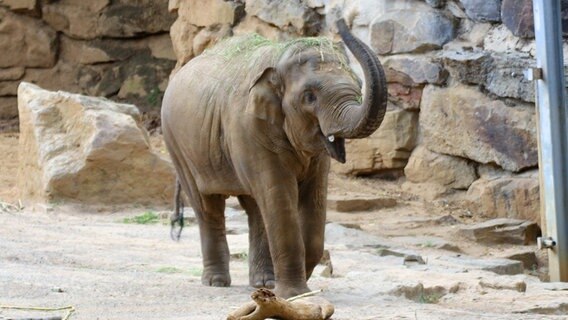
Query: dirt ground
[107,268]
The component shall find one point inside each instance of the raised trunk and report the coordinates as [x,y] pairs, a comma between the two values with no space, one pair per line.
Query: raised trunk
[361,120]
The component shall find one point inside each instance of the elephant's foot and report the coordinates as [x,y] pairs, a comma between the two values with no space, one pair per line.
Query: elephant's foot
[216,279]
[287,291]
[262,279]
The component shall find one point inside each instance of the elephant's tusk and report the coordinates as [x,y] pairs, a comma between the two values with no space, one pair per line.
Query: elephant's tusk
[331,138]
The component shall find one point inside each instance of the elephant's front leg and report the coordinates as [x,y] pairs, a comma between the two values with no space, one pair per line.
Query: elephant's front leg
[312,208]
[277,197]
[261,271]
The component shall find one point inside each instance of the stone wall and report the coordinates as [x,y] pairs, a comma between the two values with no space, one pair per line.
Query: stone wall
[119,49]
[461,117]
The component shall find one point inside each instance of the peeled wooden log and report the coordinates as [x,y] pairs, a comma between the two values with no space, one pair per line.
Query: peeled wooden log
[266,304]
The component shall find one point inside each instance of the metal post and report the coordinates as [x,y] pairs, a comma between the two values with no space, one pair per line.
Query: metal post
[553,135]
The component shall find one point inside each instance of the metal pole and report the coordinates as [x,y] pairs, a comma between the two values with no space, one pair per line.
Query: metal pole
[553,134]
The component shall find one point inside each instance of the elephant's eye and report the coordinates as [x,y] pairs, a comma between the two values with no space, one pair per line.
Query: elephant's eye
[309,97]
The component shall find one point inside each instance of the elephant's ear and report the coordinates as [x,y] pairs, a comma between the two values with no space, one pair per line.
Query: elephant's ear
[265,97]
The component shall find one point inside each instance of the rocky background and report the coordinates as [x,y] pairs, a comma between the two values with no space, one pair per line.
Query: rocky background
[118,49]
[461,121]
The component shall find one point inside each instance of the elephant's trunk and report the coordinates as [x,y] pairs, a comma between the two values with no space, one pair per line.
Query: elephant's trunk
[361,120]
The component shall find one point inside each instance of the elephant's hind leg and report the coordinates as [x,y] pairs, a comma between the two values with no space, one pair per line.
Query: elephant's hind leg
[214,247]
[261,271]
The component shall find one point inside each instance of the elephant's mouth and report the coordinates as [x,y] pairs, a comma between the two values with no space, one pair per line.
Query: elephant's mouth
[335,148]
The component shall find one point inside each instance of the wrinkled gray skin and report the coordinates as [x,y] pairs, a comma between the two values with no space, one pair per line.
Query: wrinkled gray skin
[258,127]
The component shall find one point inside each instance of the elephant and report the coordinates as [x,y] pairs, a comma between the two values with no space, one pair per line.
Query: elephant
[260,120]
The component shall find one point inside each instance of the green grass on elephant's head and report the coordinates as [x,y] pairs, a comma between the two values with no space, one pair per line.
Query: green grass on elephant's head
[148,217]
[246,47]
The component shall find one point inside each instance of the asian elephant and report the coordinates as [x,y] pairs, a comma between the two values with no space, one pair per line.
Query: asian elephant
[259,120]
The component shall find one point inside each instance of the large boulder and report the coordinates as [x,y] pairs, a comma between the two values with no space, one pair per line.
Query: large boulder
[468,67]
[506,196]
[287,15]
[24,41]
[425,166]
[204,13]
[464,122]
[518,16]
[388,148]
[505,77]
[414,70]
[103,18]
[411,30]
[87,150]
[483,10]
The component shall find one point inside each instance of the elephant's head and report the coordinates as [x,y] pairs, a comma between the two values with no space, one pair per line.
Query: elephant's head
[317,97]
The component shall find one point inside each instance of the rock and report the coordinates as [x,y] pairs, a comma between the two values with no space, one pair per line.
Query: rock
[519,285]
[125,18]
[405,97]
[22,6]
[500,39]
[456,10]
[517,16]
[477,34]
[338,235]
[388,148]
[401,31]
[413,260]
[419,293]
[208,37]
[182,34]
[204,13]
[426,190]
[173,6]
[77,19]
[468,67]
[251,24]
[96,51]
[395,252]
[500,73]
[426,242]
[87,150]
[498,266]
[62,75]
[8,88]
[15,73]
[354,203]
[463,122]
[102,18]
[325,261]
[552,308]
[555,286]
[436,3]
[413,70]
[161,47]
[140,79]
[24,41]
[288,15]
[497,231]
[450,172]
[515,196]
[506,79]
[526,256]
[8,108]
[483,10]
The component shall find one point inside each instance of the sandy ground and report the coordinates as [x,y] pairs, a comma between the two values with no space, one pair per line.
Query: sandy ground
[109,269]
